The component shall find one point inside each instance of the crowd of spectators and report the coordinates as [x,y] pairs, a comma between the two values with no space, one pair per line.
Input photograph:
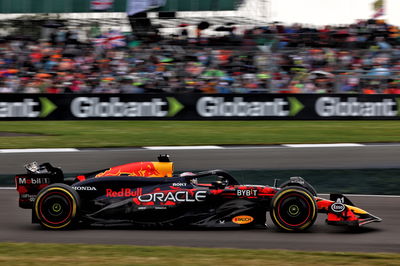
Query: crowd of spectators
[359,58]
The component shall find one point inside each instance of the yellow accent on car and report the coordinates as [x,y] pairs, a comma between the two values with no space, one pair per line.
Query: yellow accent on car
[166,169]
[356,210]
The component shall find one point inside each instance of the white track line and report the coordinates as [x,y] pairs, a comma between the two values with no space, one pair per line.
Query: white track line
[38,150]
[330,145]
[183,147]
[204,147]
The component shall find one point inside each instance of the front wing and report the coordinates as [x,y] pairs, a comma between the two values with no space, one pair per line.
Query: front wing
[341,211]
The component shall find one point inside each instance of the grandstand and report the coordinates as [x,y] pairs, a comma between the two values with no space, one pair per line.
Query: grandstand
[211,47]
[246,12]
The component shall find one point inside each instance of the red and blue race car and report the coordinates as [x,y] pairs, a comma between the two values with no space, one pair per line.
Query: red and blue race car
[149,194]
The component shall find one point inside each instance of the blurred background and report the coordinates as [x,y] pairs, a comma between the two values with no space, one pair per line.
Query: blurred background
[76,75]
[177,46]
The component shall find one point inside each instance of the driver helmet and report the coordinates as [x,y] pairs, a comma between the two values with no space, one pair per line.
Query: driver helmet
[193,180]
[187,174]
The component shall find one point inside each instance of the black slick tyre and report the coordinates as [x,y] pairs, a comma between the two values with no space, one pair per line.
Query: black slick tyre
[293,209]
[57,207]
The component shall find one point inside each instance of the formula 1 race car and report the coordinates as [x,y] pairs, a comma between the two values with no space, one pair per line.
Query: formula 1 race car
[148,194]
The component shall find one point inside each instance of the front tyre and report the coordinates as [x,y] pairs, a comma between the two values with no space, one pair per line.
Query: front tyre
[293,209]
[57,207]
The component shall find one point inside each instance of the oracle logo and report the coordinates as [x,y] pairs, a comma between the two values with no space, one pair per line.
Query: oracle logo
[178,196]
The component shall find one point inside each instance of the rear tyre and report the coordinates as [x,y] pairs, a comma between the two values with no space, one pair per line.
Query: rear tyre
[293,209]
[57,207]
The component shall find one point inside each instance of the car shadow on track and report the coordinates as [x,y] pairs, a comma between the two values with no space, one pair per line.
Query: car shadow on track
[327,229]
[318,228]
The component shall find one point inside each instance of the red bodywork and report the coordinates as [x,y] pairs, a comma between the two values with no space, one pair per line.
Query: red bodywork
[148,169]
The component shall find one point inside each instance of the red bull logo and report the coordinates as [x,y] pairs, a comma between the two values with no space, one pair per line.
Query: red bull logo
[148,169]
[124,192]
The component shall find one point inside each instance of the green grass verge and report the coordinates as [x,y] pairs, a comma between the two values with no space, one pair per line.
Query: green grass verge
[72,254]
[142,133]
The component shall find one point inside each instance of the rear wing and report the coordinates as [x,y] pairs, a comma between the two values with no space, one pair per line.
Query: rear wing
[37,177]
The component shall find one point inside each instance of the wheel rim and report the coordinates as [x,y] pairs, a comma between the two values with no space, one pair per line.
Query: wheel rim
[56,208]
[294,210]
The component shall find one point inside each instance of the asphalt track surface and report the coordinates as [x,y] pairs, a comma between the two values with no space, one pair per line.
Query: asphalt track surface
[15,226]
[15,223]
[234,158]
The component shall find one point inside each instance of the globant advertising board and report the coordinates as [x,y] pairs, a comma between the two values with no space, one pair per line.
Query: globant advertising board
[199,107]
